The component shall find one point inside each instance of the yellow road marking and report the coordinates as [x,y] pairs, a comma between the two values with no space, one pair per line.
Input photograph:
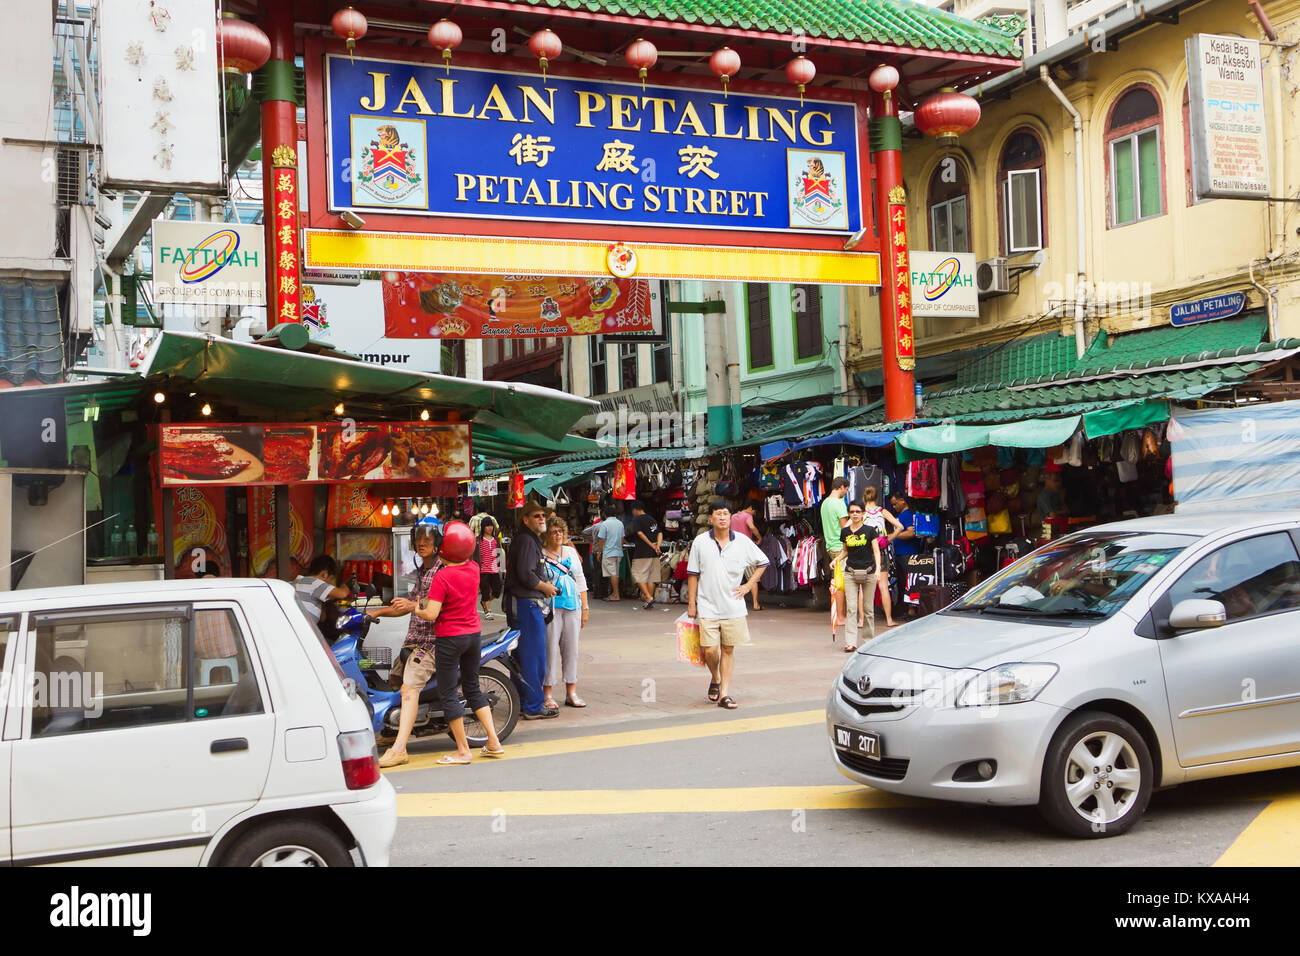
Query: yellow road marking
[633,738]
[563,803]
[1272,839]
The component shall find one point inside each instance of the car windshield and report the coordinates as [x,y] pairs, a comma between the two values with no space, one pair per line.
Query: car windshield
[1085,577]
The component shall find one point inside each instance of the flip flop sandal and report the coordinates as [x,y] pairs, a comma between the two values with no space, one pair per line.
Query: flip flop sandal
[728,703]
[713,692]
[575,702]
[448,760]
[493,753]
[849,648]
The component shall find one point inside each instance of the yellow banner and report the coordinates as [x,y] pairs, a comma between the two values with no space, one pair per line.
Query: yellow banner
[417,252]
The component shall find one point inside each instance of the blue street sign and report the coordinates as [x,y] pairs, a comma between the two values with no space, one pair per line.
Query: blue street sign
[1204,310]
[412,138]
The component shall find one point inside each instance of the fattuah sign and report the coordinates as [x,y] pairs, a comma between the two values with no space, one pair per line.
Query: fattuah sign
[943,284]
[1225,95]
[208,263]
[415,139]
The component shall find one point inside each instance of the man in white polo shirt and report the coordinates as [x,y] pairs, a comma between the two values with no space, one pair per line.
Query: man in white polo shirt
[722,569]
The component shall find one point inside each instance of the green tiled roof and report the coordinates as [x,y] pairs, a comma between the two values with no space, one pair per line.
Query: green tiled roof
[1029,358]
[1167,342]
[902,23]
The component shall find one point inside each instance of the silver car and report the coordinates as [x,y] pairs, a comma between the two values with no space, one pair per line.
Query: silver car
[1131,656]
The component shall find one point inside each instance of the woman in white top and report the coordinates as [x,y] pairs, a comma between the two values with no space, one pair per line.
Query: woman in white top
[565,569]
[877,517]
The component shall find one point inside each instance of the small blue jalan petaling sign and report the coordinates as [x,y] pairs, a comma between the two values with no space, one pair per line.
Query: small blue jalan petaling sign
[415,139]
[1204,310]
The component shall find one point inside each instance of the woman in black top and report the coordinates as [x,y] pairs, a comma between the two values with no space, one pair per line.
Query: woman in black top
[861,559]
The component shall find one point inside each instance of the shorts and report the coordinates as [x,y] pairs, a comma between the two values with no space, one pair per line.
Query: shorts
[730,631]
[419,668]
[610,566]
[489,585]
[643,570]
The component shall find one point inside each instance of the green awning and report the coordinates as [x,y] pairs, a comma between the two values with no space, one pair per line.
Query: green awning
[1111,421]
[934,440]
[557,476]
[278,378]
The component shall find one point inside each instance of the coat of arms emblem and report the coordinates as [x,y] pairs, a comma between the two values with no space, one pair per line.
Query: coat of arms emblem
[816,193]
[389,170]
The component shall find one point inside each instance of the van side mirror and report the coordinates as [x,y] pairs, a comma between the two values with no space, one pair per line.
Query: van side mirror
[1195,614]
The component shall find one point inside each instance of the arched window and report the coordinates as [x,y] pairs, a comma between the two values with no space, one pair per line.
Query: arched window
[1020,192]
[1133,153]
[949,204]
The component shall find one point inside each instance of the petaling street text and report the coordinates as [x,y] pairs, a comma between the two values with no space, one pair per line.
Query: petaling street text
[585,194]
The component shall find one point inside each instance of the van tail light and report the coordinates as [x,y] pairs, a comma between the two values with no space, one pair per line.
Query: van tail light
[360,759]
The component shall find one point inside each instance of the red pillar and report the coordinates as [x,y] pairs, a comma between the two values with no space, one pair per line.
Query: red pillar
[896,327]
[280,170]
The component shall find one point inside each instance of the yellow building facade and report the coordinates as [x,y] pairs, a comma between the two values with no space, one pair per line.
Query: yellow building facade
[1139,238]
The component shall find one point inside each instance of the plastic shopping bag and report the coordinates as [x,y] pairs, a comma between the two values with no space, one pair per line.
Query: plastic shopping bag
[688,642]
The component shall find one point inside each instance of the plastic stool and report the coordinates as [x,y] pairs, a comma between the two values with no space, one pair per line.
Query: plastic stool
[206,667]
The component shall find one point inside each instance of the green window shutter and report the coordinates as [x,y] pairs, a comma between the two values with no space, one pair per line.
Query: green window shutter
[1149,172]
[1122,180]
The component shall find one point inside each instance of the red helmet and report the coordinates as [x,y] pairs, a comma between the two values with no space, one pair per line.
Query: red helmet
[457,542]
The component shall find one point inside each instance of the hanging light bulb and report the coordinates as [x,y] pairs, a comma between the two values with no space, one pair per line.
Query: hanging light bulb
[206,409]
[159,398]
[424,508]
[338,409]
[383,509]
[424,415]
[433,509]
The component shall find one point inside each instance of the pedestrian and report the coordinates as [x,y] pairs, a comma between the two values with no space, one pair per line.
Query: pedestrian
[487,552]
[834,515]
[318,585]
[529,595]
[648,541]
[609,537]
[906,542]
[452,611]
[861,564]
[571,612]
[426,541]
[878,517]
[742,522]
[722,568]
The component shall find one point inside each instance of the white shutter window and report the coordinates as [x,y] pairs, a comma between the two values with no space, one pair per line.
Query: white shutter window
[1024,211]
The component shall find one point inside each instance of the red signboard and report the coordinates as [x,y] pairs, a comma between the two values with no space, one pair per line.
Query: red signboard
[283,299]
[225,454]
[420,305]
[199,542]
[900,273]
[261,529]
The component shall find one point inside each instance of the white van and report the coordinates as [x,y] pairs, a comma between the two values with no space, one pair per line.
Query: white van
[205,723]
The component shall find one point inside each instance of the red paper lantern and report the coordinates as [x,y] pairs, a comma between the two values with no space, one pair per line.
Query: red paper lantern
[242,47]
[946,115]
[725,64]
[445,36]
[883,79]
[546,46]
[800,71]
[641,55]
[349,25]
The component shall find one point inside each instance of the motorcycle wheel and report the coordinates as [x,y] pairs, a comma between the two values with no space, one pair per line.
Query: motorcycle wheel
[505,712]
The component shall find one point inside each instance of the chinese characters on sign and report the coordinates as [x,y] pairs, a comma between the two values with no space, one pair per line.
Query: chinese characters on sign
[285,298]
[577,150]
[901,277]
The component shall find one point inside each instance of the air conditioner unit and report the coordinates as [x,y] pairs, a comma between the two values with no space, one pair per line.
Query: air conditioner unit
[991,277]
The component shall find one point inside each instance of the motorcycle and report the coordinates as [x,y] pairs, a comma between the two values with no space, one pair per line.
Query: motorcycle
[496,665]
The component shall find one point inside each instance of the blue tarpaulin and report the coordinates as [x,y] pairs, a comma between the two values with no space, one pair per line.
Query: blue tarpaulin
[852,437]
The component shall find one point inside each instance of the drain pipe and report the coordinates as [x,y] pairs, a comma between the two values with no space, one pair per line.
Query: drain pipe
[844,348]
[1081,248]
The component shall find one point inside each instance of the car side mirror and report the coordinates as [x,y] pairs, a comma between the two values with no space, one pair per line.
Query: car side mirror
[1195,614]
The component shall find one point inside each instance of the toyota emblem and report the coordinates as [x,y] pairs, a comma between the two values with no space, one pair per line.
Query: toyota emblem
[864,685]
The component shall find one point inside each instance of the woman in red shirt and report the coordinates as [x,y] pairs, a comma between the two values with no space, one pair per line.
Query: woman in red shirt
[453,600]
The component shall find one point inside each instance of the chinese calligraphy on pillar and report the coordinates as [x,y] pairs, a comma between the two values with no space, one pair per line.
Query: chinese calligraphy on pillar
[284,300]
[901,276]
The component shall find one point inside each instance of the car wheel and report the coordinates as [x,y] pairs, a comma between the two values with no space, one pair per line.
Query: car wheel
[1097,776]
[289,843]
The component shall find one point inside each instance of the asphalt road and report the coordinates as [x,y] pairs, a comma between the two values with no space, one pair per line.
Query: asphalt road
[757,787]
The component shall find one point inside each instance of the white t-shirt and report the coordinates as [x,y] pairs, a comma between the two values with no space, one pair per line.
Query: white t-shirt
[721,569]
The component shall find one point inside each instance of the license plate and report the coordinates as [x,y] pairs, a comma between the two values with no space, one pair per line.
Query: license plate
[857,742]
